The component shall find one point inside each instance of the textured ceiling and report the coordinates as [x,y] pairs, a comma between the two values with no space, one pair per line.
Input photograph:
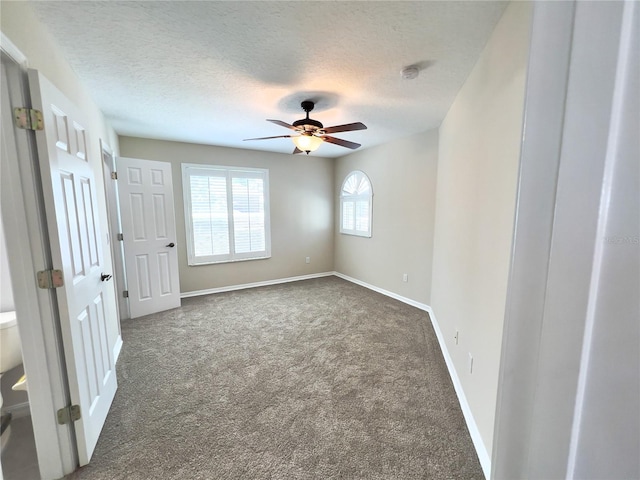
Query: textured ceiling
[212,72]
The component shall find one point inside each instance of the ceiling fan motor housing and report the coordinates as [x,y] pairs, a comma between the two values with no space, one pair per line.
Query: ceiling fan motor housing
[308,122]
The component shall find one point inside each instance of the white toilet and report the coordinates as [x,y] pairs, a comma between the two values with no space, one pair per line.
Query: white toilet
[10,357]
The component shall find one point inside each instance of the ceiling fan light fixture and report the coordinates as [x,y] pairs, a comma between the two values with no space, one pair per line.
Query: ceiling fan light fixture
[307,143]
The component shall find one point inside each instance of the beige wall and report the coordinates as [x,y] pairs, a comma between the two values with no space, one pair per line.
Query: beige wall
[403,177]
[475,203]
[301,205]
[24,30]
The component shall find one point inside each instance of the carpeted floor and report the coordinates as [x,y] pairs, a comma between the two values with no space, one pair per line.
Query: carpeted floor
[319,379]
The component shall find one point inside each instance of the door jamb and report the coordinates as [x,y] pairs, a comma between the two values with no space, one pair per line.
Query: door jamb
[557,241]
[115,226]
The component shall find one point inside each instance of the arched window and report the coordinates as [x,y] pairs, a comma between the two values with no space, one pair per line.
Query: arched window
[355,205]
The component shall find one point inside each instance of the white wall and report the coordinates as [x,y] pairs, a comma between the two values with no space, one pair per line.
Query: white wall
[479,150]
[6,291]
[403,177]
[9,397]
[301,205]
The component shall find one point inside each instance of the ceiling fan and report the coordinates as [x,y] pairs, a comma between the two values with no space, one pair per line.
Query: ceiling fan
[311,133]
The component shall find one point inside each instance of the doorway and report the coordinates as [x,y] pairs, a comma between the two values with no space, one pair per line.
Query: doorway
[19,454]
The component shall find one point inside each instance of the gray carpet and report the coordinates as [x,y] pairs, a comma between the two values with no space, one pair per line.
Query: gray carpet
[319,379]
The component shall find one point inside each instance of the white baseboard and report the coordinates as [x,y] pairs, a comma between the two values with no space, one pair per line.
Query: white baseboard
[117,349]
[408,301]
[481,450]
[18,410]
[230,288]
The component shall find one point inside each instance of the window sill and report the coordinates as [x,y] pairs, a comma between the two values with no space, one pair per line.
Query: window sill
[234,260]
[363,235]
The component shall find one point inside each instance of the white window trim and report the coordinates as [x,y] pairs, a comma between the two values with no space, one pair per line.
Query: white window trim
[192,260]
[355,198]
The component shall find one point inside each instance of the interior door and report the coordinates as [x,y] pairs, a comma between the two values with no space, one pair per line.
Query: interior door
[145,191]
[75,239]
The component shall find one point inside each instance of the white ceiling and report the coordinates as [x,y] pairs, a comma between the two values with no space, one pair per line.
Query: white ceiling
[211,72]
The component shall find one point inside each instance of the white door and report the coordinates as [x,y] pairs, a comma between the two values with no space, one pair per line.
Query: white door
[74,234]
[145,190]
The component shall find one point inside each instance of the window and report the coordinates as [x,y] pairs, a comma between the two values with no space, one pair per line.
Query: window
[226,213]
[355,205]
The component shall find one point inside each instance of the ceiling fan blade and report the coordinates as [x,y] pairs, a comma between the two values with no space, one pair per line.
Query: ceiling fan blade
[267,138]
[346,128]
[282,124]
[342,143]
[296,150]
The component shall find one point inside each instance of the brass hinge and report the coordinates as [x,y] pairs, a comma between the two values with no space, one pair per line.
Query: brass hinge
[50,279]
[114,175]
[28,118]
[120,237]
[69,414]
[125,293]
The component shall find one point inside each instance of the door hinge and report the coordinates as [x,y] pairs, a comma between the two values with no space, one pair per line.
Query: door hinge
[28,118]
[120,237]
[50,279]
[114,175]
[125,293]
[69,414]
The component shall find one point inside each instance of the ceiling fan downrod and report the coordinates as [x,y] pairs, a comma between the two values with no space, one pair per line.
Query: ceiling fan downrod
[307,106]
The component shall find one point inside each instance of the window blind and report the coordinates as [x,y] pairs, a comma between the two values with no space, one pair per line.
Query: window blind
[226,211]
[356,205]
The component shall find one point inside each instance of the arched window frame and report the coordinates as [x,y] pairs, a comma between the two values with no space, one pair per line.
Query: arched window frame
[356,194]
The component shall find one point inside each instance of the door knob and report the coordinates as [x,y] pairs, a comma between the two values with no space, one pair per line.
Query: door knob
[105,276]
[171,245]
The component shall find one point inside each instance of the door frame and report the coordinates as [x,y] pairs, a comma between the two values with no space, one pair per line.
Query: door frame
[115,226]
[37,311]
[565,179]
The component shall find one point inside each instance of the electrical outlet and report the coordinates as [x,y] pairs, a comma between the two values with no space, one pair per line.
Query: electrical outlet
[457,337]
[405,277]
[307,260]
[470,363]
